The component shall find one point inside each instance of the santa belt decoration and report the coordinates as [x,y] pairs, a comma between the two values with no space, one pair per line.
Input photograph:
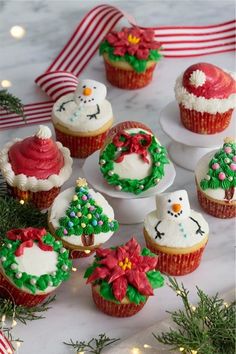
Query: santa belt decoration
[61,76]
[27,238]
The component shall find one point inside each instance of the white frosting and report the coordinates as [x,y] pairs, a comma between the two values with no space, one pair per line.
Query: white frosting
[202,104]
[89,93]
[197,78]
[33,184]
[177,235]
[61,204]
[43,132]
[173,206]
[76,117]
[201,172]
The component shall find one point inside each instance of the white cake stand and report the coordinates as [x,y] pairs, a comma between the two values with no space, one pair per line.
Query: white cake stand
[187,147]
[129,208]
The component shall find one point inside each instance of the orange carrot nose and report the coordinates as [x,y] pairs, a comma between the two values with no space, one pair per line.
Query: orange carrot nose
[176,207]
[87,91]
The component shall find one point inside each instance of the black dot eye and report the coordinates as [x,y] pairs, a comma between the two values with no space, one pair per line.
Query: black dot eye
[95,87]
[180,198]
[169,201]
[84,86]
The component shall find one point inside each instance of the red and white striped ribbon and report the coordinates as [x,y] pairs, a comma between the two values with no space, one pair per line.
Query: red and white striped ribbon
[5,346]
[61,76]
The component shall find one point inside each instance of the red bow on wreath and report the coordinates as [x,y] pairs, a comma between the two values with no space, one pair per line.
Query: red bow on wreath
[27,237]
[133,144]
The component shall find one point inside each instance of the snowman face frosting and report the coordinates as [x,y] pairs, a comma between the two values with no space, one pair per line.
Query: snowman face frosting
[90,93]
[173,206]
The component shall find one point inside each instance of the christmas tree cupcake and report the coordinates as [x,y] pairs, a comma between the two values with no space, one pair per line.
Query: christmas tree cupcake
[216,181]
[36,167]
[130,57]
[132,159]
[32,265]
[82,119]
[123,278]
[207,97]
[176,233]
[82,219]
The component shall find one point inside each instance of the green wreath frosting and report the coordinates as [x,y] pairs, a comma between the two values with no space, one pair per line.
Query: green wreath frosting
[159,159]
[8,262]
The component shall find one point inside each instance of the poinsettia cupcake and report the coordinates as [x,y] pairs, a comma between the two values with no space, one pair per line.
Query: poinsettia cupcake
[216,181]
[82,219]
[132,159]
[130,57]
[36,167]
[176,233]
[207,96]
[32,265]
[82,119]
[123,278]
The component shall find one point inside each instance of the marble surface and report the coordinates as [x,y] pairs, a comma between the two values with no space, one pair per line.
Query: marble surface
[49,25]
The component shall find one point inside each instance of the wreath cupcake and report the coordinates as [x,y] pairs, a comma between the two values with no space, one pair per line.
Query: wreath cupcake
[130,57]
[32,265]
[132,159]
[123,278]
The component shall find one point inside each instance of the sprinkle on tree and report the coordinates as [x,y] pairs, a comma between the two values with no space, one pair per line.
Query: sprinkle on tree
[222,170]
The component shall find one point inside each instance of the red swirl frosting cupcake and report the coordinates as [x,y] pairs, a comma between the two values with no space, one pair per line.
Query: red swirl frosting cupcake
[207,96]
[35,167]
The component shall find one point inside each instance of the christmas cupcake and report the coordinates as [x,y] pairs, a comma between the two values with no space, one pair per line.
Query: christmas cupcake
[123,278]
[132,159]
[130,57]
[82,119]
[32,265]
[216,181]
[82,219]
[36,167]
[207,96]
[177,234]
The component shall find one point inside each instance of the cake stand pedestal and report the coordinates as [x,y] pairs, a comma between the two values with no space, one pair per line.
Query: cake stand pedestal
[128,208]
[187,147]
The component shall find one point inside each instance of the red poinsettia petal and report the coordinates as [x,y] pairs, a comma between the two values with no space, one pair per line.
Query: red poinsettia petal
[140,282]
[120,51]
[121,253]
[119,288]
[111,38]
[146,263]
[98,273]
[116,273]
[142,53]
[132,49]
[133,248]
[103,252]
[148,35]
[110,261]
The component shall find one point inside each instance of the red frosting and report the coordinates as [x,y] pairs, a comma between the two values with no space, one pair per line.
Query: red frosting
[36,157]
[218,84]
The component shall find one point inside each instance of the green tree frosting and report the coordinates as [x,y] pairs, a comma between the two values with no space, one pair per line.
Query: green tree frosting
[222,170]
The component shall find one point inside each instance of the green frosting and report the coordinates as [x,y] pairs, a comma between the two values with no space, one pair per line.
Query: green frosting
[31,282]
[139,65]
[159,159]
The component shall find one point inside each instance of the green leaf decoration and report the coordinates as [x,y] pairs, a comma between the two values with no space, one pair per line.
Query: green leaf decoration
[90,270]
[155,279]
[146,252]
[106,291]
[134,296]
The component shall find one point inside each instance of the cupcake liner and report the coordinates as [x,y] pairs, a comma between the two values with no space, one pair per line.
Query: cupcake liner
[128,79]
[41,199]
[8,290]
[219,210]
[113,309]
[204,123]
[75,254]
[81,146]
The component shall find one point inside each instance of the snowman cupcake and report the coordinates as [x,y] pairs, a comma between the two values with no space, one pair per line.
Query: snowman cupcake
[176,233]
[132,159]
[82,119]
[82,219]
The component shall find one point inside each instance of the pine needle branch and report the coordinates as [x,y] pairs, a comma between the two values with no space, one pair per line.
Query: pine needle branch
[11,103]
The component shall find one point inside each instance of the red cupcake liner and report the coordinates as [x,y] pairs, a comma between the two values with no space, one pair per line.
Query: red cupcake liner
[81,146]
[42,199]
[222,211]
[204,123]
[113,309]
[75,254]
[128,79]
[9,291]
[177,264]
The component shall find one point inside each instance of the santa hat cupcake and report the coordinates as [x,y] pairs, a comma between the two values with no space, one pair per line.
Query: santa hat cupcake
[207,96]
[35,167]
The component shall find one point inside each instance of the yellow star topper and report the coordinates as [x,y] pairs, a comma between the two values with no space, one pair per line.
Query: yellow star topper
[81,182]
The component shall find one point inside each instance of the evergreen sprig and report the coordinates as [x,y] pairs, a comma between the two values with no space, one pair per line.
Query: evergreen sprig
[208,328]
[95,345]
[11,103]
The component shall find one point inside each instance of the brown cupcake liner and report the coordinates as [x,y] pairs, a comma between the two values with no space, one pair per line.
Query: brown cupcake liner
[41,199]
[9,291]
[204,123]
[219,210]
[81,146]
[115,310]
[128,79]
